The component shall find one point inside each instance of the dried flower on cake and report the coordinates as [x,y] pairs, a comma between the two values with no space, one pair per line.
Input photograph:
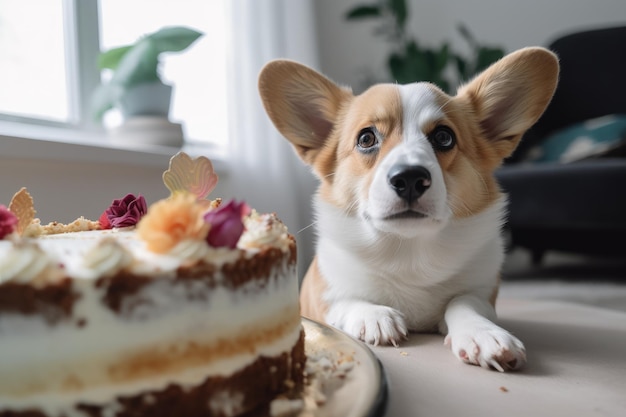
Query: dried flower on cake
[8,222]
[104,221]
[171,221]
[125,212]
[226,224]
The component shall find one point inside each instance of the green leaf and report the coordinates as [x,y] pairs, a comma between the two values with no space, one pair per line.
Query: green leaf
[110,59]
[486,56]
[412,48]
[405,68]
[104,98]
[462,68]
[397,65]
[442,57]
[361,12]
[403,65]
[173,38]
[426,64]
[444,85]
[399,10]
[139,65]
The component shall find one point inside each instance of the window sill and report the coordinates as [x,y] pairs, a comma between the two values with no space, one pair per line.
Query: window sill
[18,140]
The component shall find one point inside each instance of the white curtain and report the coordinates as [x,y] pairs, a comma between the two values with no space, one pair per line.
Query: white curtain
[265,169]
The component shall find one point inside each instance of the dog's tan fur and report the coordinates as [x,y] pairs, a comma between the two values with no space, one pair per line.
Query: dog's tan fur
[310,304]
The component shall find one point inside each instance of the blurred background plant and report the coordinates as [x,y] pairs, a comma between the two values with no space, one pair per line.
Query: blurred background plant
[409,61]
[136,66]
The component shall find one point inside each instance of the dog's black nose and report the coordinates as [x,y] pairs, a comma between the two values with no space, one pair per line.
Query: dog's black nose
[409,181]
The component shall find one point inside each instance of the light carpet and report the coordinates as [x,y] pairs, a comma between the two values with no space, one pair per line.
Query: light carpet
[590,281]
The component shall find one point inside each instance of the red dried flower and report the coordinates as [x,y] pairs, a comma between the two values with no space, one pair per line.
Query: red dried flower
[8,221]
[125,212]
[104,221]
[226,224]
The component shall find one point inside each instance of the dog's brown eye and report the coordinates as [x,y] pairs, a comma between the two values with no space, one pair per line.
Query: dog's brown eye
[442,138]
[367,139]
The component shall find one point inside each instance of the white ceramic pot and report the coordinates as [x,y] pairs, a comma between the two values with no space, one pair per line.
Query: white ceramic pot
[147,99]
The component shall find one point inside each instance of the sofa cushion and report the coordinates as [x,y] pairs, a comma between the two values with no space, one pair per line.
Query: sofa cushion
[589,139]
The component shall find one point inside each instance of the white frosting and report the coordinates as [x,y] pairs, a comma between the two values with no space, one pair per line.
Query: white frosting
[264,230]
[191,250]
[107,258]
[38,358]
[26,262]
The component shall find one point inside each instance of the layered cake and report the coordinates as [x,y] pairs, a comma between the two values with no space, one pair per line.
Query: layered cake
[187,307]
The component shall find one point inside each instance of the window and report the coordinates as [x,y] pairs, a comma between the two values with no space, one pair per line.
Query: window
[31,38]
[48,51]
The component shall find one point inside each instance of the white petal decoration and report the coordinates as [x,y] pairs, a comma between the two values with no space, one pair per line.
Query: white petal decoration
[192,175]
[23,207]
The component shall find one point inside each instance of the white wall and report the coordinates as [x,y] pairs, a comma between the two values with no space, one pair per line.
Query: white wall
[347,49]
[64,189]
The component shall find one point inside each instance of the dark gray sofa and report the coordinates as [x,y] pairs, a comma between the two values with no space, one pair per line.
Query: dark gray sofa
[576,206]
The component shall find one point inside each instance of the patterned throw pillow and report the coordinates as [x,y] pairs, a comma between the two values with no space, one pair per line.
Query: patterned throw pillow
[592,138]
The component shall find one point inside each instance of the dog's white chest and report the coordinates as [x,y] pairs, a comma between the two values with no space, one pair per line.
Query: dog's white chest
[417,277]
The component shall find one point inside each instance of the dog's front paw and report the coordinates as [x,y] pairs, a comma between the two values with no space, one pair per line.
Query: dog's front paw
[374,324]
[488,346]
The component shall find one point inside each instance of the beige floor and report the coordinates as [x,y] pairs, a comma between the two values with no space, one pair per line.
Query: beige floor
[575,349]
[565,277]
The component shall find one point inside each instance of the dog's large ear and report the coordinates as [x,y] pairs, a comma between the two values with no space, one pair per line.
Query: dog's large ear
[511,95]
[302,104]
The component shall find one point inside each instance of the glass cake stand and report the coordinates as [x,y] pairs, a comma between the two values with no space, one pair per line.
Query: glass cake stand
[347,377]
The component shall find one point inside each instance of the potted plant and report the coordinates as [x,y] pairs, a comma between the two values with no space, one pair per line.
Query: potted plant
[135,87]
[410,61]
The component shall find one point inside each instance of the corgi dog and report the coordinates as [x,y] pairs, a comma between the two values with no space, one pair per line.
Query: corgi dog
[408,211]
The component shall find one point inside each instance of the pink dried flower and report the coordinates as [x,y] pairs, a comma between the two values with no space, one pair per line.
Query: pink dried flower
[104,221]
[226,224]
[125,212]
[8,222]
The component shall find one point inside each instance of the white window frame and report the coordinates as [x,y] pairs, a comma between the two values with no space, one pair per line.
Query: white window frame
[82,32]
[80,139]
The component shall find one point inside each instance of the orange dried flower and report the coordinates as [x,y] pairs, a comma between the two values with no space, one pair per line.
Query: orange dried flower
[171,221]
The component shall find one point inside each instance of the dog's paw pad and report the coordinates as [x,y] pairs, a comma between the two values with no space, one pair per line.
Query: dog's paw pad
[376,325]
[490,348]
